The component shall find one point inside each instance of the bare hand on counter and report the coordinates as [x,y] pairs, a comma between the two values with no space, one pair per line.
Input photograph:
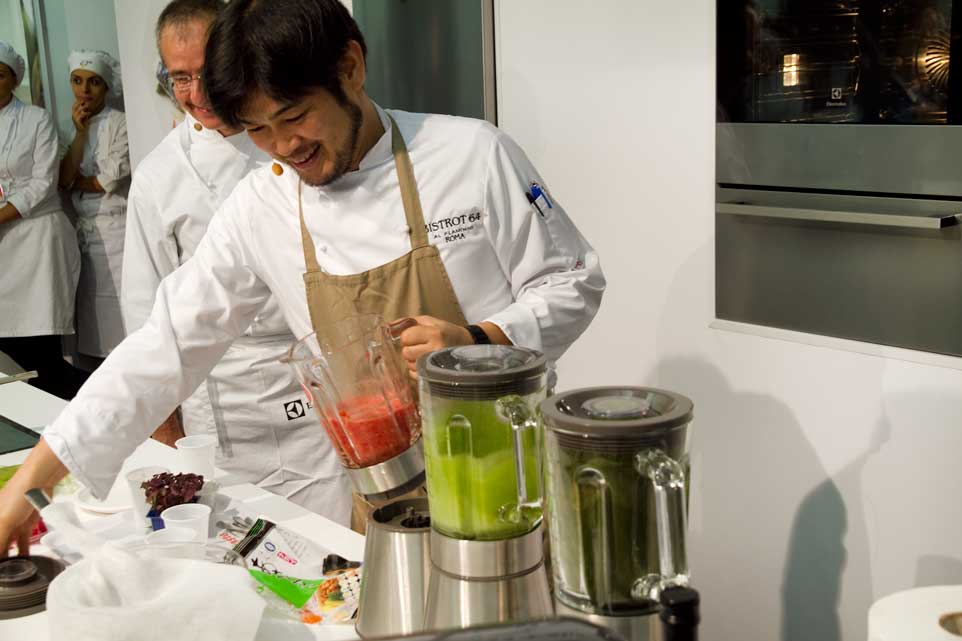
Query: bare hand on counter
[432,334]
[17,517]
[170,430]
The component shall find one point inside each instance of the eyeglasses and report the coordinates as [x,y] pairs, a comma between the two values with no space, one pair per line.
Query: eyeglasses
[183,81]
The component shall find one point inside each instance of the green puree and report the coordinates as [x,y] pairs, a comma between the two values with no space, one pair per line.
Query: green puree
[471,475]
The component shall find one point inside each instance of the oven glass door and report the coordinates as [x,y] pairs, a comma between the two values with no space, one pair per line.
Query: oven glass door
[841,61]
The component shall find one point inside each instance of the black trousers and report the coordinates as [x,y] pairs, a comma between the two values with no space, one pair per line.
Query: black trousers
[45,354]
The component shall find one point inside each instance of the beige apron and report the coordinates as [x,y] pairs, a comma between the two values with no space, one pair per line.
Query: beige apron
[414,284]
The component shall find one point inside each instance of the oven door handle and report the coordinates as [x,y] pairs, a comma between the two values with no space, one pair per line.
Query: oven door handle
[935,221]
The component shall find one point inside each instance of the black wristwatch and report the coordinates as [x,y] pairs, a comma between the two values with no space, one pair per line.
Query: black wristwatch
[478,334]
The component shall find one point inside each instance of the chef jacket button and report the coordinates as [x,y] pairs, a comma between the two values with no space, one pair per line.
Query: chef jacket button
[198,126]
[277,169]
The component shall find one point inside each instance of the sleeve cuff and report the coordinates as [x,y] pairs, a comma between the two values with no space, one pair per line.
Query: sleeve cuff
[17,201]
[60,446]
[520,325]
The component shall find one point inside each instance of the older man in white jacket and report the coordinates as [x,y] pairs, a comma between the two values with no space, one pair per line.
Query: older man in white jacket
[501,258]
[250,402]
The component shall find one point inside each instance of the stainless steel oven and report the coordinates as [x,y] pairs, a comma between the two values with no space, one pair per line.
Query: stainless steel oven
[839,168]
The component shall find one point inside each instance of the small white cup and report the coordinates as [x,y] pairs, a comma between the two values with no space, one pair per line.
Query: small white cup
[138,498]
[194,516]
[174,542]
[197,454]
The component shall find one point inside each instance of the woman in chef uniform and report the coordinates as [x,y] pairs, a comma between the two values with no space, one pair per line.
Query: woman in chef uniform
[39,261]
[96,171]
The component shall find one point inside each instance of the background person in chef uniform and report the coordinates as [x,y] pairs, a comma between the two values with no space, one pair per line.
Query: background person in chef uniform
[39,259]
[250,402]
[96,172]
[292,72]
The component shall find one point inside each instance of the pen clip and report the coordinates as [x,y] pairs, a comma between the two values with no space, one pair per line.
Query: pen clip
[534,201]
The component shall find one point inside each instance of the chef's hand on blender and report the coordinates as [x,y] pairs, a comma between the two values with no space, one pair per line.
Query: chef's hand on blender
[17,517]
[431,334]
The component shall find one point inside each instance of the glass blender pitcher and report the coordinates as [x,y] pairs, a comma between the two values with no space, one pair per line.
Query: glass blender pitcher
[482,449]
[353,373]
[617,476]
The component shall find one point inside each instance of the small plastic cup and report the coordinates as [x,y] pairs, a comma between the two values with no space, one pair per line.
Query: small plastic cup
[174,543]
[138,499]
[197,454]
[193,516]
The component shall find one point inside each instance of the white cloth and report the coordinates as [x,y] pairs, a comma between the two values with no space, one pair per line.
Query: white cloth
[100,63]
[14,60]
[536,277]
[100,223]
[244,402]
[116,595]
[39,259]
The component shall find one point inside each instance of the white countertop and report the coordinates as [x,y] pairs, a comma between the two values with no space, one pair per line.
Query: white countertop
[35,408]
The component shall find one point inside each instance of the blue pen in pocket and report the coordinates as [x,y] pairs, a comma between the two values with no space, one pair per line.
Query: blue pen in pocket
[539,194]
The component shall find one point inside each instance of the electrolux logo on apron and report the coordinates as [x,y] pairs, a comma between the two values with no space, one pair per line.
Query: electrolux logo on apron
[296,409]
[454,228]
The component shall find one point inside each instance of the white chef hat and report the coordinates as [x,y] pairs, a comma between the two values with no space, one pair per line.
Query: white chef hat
[13,60]
[102,64]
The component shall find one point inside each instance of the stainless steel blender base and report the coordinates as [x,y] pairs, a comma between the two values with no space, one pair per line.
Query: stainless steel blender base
[393,477]
[480,582]
[455,602]
[643,627]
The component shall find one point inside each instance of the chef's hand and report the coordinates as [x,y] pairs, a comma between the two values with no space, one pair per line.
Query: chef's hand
[80,115]
[17,517]
[430,334]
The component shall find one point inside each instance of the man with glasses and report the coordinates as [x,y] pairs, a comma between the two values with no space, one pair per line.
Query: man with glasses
[265,429]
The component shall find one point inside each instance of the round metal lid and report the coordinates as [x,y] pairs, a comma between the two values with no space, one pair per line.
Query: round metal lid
[503,369]
[616,412]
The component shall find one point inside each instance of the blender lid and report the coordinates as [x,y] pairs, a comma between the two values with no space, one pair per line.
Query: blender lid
[616,412]
[506,368]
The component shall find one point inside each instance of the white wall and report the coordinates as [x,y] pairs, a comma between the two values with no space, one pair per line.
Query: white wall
[823,479]
[150,115]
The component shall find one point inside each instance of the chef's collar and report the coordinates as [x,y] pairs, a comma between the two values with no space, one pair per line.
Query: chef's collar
[199,130]
[381,151]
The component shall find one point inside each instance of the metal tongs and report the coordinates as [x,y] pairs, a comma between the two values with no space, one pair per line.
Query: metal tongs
[25,376]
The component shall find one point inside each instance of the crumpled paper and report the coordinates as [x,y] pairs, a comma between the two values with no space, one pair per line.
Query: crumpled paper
[115,595]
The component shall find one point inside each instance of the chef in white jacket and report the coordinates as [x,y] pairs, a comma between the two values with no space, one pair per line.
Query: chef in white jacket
[510,259]
[96,172]
[39,261]
[249,400]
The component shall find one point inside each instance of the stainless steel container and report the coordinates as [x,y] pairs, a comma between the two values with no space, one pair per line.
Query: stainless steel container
[397,566]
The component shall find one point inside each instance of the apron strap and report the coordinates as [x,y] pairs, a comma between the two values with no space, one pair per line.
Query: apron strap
[409,189]
[310,256]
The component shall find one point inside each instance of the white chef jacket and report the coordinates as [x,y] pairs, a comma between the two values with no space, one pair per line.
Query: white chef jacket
[39,260]
[175,192]
[533,275]
[100,223]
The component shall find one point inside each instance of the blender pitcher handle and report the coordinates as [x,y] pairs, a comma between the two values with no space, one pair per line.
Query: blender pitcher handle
[519,415]
[589,478]
[668,478]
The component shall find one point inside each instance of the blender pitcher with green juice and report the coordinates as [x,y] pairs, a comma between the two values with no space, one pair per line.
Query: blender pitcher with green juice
[482,455]
[617,477]
[482,440]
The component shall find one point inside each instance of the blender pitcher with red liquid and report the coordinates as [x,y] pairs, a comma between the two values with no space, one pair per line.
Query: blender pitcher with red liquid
[355,378]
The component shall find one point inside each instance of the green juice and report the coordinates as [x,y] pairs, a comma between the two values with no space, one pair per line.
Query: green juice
[472,479]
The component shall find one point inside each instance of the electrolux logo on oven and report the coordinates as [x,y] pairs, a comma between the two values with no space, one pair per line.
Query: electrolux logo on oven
[836,98]
[296,409]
